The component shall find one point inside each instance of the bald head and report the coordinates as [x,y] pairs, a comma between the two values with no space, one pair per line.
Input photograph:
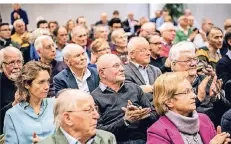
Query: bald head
[187,12]
[105,59]
[148,26]
[227,24]
[69,49]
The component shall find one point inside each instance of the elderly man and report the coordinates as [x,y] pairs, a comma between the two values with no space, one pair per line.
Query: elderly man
[60,34]
[129,23]
[79,36]
[210,98]
[77,75]
[147,29]
[11,62]
[20,36]
[200,39]
[184,33]
[113,94]
[168,33]
[138,70]
[103,20]
[157,14]
[76,118]
[100,31]
[5,39]
[45,48]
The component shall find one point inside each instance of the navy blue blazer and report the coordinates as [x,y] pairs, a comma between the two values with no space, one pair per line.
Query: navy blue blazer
[65,79]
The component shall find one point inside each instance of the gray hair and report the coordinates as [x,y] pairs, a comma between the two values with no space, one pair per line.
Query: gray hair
[132,44]
[11,50]
[39,41]
[17,22]
[148,25]
[179,48]
[76,30]
[37,33]
[67,100]
[67,50]
[165,25]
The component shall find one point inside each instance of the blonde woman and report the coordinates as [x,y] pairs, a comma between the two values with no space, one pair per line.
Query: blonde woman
[179,122]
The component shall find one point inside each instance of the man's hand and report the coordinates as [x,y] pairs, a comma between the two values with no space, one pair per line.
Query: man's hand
[215,87]
[209,71]
[147,88]
[202,88]
[134,113]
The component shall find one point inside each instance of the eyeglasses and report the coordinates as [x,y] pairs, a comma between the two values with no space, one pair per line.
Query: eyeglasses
[5,30]
[189,61]
[12,63]
[157,43]
[89,110]
[187,91]
[144,50]
[115,66]
[104,49]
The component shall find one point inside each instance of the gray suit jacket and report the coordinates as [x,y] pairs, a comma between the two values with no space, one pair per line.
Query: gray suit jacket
[133,75]
[102,137]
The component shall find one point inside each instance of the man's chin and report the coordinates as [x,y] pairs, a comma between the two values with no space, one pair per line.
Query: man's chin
[192,72]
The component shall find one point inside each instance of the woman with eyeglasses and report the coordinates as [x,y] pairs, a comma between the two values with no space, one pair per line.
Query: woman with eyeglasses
[32,118]
[179,122]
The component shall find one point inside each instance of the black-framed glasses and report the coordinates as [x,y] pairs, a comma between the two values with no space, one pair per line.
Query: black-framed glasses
[187,91]
[157,43]
[104,49]
[12,63]
[89,110]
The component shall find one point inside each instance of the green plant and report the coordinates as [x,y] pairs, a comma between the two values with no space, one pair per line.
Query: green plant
[175,10]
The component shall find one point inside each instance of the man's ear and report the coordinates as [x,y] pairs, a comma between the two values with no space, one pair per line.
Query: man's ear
[173,65]
[27,86]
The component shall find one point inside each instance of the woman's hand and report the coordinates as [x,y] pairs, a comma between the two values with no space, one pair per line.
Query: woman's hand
[35,138]
[221,137]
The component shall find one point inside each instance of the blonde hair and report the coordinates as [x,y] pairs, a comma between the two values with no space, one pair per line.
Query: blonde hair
[164,88]
[115,34]
[97,44]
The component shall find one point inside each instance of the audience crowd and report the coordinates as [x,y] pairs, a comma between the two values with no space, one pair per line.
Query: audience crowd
[120,81]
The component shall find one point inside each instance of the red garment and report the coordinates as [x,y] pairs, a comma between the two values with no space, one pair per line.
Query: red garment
[123,56]
[164,52]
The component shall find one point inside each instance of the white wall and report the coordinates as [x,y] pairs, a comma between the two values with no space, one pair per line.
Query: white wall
[216,12]
[63,12]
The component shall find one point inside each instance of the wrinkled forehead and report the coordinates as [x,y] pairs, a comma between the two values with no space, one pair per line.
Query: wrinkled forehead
[186,54]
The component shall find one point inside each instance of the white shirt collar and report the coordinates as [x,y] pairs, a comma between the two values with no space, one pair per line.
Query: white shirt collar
[229,54]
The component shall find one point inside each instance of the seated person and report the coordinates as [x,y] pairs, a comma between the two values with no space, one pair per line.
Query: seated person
[114,95]
[179,122]
[10,66]
[32,117]
[76,118]
[138,70]
[77,74]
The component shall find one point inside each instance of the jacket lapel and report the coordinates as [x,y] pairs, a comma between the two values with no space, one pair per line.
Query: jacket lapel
[137,73]
[205,132]
[150,75]
[60,138]
[71,79]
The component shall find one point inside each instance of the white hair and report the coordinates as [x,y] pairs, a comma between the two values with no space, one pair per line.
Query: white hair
[17,22]
[67,50]
[165,25]
[76,30]
[67,100]
[179,48]
[148,25]
[132,44]
[37,33]
[39,41]
[11,50]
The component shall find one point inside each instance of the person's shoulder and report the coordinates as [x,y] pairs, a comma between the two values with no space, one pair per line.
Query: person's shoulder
[204,118]
[61,74]
[103,133]
[48,140]
[92,69]
[227,115]
[14,109]
[105,136]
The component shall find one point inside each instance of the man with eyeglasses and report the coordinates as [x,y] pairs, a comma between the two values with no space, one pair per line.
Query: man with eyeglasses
[5,39]
[155,49]
[210,97]
[124,109]
[76,118]
[11,62]
[46,50]
[168,33]
[138,70]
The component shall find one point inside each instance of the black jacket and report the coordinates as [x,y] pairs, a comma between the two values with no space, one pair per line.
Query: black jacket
[226,122]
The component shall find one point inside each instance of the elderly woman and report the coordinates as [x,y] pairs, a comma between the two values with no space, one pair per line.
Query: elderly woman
[32,117]
[99,47]
[179,122]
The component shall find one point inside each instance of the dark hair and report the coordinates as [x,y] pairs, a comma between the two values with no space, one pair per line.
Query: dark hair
[28,73]
[41,22]
[226,38]
[4,24]
[216,28]
[77,20]
[56,30]
[115,20]
[116,12]
[55,22]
